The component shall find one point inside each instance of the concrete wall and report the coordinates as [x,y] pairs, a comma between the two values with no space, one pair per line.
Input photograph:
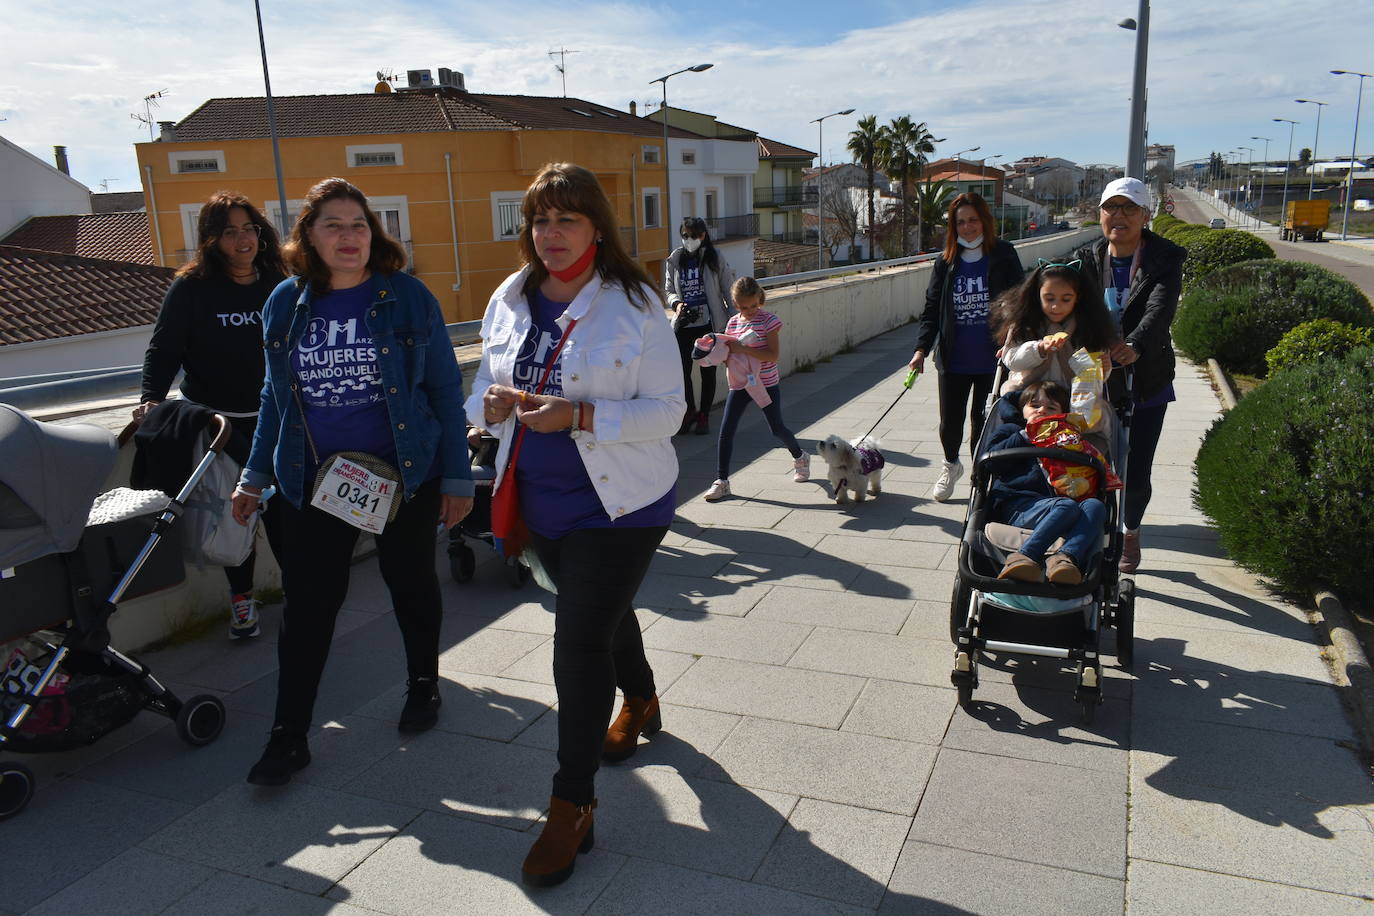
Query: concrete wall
[86,351]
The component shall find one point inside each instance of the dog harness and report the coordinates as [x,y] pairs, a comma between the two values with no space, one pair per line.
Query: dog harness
[870,460]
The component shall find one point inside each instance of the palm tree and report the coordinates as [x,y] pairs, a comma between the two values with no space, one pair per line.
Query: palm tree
[931,201]
[865,142]
[905,146]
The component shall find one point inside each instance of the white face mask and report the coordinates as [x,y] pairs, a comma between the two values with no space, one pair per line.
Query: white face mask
[691,245]
[976,243]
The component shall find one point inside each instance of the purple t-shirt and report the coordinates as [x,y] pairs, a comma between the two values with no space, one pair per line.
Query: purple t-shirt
[972,352]
[341,383]
[556,494]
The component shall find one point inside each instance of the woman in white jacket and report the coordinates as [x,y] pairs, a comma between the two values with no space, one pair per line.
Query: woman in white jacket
[596,471]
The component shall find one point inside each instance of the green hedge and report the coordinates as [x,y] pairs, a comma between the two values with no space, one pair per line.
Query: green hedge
[1213,249]
[1288,477]
[1314,340]
[1238,314]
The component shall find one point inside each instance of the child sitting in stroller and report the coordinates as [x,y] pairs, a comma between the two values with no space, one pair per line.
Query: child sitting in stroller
[1065,506]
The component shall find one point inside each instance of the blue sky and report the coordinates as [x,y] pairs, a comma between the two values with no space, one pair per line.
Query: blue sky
[1015,77]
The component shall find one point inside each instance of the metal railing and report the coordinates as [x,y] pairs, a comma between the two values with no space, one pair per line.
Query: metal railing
[796,238]
[846,270]
[723,228]
[787,196]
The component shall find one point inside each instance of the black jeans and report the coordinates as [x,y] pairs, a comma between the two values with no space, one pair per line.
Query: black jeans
[954,398]
[597,645]
[318,550]
[1146,427]
[241,577]
[686,337]
[735,402]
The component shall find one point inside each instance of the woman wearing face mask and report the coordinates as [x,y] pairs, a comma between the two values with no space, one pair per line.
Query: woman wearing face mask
[974,269]
[696,285]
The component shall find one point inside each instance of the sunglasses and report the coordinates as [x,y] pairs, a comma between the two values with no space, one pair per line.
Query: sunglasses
[1127,208]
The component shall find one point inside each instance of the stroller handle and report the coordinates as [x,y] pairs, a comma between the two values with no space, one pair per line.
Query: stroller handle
[222,433]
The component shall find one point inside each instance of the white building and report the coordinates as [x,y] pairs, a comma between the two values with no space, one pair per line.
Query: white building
[30,187]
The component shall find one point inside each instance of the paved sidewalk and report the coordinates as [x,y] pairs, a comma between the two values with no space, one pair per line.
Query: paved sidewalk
[813,759]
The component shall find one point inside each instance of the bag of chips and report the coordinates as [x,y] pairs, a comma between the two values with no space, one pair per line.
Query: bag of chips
[1085,392]
[1076,481]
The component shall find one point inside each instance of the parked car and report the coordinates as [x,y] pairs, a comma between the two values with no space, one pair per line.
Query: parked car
[1217,223]
[1063,226]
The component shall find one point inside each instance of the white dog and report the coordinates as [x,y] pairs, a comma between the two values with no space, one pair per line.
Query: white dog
[856,466]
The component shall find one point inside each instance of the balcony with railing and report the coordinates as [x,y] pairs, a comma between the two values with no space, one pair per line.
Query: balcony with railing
[796,238]
[787,196]
[727,228]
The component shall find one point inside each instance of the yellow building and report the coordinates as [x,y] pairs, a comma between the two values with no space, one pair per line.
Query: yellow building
[444,168]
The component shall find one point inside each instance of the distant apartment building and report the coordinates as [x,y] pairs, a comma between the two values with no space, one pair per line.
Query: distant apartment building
[1159,156]
[780,192]
[444,168]
[965,175]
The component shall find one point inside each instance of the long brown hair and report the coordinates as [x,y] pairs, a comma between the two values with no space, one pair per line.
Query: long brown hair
[385,257]
[980,206]
[564,186]
[207,261]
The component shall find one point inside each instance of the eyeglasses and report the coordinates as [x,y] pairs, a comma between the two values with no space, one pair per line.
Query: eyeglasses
[234,233]
[1127,208]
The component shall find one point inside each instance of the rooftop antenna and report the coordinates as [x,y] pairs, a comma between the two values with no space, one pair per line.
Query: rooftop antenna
[562,66]
[105,184]
[149,103]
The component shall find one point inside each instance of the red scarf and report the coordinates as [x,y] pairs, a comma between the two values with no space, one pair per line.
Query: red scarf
[572,272]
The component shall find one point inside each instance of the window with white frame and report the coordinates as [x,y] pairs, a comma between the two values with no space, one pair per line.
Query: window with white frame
[710,196]
[689,157]
[373,154]
[652,213]
[649,154]
[689,203]
[505,214]
[187,162]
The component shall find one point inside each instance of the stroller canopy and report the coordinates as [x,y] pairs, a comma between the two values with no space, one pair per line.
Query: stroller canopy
[49,475]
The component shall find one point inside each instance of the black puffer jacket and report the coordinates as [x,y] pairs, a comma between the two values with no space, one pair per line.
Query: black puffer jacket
[1004,273]
[1148,311]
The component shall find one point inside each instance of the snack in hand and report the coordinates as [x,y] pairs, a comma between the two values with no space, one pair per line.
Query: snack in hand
[1051,340]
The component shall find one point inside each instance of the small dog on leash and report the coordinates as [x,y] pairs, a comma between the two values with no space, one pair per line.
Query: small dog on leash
[854,466]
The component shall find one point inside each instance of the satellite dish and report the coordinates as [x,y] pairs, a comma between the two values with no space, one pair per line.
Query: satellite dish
[382,87]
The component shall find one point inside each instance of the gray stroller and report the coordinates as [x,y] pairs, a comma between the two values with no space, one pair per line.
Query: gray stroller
[71,687]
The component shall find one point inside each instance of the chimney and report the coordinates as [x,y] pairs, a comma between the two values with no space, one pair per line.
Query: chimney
[168,130]
[59,153]
[632,107]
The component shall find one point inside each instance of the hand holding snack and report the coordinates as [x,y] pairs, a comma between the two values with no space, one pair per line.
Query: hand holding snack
[1053,342]
[1072,487]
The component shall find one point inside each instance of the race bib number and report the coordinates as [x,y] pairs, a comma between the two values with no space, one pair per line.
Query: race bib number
[353,493]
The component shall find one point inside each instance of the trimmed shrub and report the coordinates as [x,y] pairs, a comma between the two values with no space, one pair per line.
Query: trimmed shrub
[1212,249]
[1239,313]
[1288,477]
[1314,340]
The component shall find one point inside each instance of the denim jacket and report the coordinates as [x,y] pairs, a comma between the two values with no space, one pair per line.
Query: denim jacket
[420,379]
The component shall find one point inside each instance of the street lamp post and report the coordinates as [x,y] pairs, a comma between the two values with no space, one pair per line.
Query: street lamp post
[1135,148]
[820,162]
[666,209]
[958,163]
[1312,168]
[1350,178]
[1287,166]
[1249,176]
[1263,166]
[272,126]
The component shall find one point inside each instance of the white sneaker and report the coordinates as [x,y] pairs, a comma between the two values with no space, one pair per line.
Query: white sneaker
[719,490]
[243,617]
[803,469]
[944,487]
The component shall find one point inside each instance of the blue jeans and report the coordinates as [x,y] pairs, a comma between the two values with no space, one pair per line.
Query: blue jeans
[1079,524]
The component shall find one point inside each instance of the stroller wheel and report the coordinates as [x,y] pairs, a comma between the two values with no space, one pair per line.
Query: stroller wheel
[200,720]
[16,788]
[1125,624]
[958,609]
[462,562]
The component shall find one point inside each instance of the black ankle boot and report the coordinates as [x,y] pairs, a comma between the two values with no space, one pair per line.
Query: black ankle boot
[422,705]
[286,753]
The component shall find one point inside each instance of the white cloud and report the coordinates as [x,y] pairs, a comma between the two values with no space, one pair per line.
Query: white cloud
[1013,77]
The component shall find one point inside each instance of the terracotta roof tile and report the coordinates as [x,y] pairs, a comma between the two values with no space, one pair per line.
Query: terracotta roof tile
[769,149]
[109,236]
[45,295]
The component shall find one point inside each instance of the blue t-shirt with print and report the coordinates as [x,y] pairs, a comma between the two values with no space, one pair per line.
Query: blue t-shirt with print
[692,289]
[1116,304]
[556,494]
[972,352]
[340,381]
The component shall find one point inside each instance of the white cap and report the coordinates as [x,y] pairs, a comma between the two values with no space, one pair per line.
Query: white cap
[1133,189]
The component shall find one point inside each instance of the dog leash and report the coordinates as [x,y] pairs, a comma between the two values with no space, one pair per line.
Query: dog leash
[906,386]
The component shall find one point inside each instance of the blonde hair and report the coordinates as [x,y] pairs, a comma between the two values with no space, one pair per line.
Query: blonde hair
[747,286]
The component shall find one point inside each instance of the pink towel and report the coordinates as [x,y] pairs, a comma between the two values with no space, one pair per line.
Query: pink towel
[741,369]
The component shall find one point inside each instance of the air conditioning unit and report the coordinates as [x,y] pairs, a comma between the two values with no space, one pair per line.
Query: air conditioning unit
[419,79]
[453,79]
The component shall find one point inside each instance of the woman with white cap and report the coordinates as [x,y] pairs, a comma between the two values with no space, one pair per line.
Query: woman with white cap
[1142,274]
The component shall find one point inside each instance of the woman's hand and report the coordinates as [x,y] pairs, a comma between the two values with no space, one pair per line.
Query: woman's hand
[141,410]
[918,361]
[245,502]
[498,403]
[544,413]
[453,509]
[1123,353]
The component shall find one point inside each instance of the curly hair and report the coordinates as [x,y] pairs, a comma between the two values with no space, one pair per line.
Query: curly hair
[1019,316]
[207,261]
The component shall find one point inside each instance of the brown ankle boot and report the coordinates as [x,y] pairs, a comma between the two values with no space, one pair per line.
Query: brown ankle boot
[567,832]
[637,717]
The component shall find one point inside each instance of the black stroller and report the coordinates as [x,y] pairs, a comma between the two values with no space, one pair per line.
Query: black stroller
[462,559]
[1002,616]
[72,687]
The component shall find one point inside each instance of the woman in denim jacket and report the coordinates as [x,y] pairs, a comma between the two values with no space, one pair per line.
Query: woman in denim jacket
[596,471]
[358,359]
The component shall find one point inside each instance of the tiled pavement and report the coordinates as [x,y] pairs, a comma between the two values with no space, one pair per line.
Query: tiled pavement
[813,759]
